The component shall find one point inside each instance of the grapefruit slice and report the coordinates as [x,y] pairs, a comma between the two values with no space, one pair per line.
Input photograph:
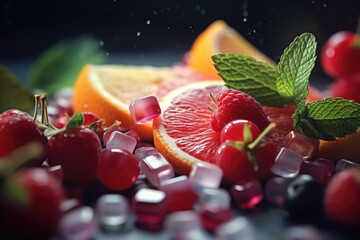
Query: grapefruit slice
[183,132]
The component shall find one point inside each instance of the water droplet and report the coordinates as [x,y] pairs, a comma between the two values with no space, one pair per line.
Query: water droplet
[148,22]
[245,19]
[101,43]
[168,28]
[254,31]
[324,5]
[138,34]
[203,12]
[107,54]
[114,0]
[197,7]
[155,12]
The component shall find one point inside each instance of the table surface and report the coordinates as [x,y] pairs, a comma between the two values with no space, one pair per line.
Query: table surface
[270,222]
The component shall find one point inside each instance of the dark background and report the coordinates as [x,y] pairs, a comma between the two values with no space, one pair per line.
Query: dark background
[27,28]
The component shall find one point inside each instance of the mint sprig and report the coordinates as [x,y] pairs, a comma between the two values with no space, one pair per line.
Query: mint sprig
[294,68]
[329,118]
[252,77]
[287,84]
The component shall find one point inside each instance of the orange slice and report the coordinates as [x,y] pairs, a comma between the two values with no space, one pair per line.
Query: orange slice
[107,90]
[342,148]
[220,38]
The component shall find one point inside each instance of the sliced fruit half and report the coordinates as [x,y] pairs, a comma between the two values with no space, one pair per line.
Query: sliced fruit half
[107,90]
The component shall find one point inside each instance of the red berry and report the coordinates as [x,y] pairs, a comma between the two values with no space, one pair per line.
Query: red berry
[232,105]
[342,196]
[77,151]
[234,130]
[118,169]
[38,216]
[340,56]
[346,89]
[89,118]
[17,129]
[234,163]
[265,156]
[246,159]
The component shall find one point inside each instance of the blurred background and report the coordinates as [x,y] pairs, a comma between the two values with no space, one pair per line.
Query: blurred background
[159,32]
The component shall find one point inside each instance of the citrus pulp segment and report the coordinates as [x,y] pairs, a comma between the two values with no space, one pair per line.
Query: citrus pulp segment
[183,132]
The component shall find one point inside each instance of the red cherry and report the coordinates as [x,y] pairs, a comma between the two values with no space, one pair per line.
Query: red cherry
[118,169]
[17,129]
[234,130]
[38,216]
[244,161]
[346,89]
[235,163]
[342,196]
[77,151]
[340,56]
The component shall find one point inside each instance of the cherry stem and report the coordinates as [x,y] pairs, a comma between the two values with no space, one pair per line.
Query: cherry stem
[43,97]
[44,112]
[259,139]
[36,110]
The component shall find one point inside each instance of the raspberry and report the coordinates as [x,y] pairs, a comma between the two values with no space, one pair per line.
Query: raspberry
[232,105]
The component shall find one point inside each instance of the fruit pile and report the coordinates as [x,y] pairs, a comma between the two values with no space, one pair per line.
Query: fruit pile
[257,139]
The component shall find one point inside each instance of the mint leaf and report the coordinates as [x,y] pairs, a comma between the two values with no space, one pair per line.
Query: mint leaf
[13,94]
[328,119]
[252,77]
[75,121]
[59,66]
[295,67]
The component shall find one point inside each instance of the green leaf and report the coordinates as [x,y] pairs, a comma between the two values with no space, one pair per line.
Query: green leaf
[252,77]
[329,118]
[75,121]
[295,67]
[13,94]
[59,66]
